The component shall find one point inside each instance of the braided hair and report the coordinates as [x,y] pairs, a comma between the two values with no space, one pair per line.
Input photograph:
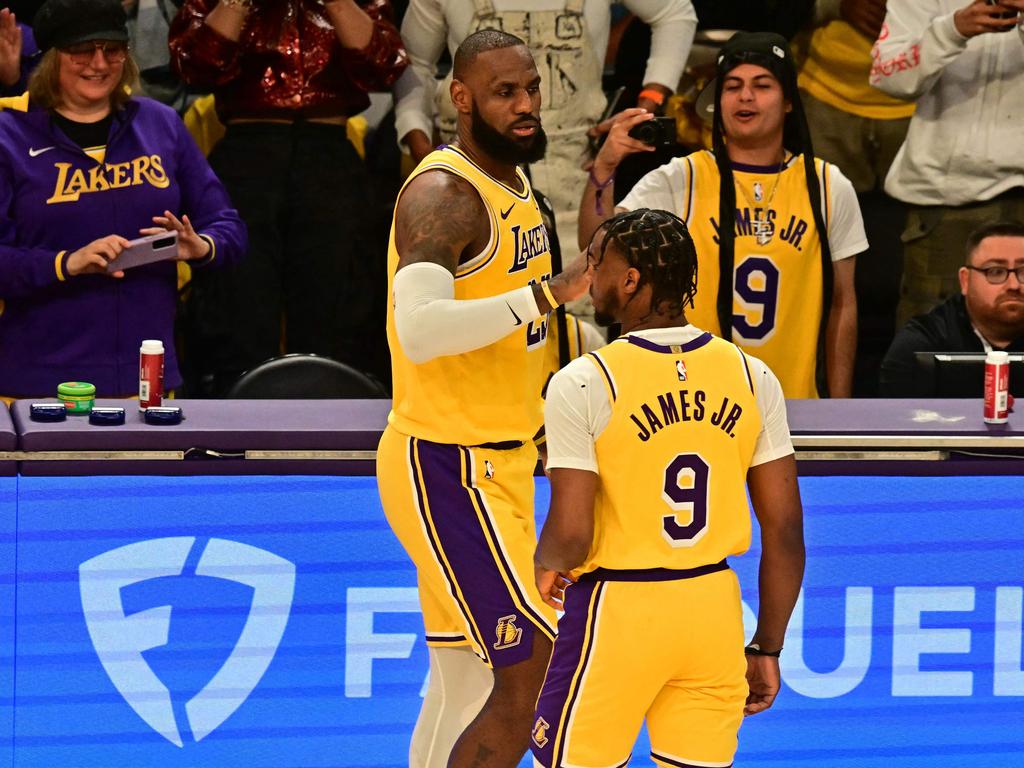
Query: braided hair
[658,245]
[796,137]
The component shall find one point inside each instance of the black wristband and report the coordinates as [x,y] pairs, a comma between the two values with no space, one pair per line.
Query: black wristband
[755,650]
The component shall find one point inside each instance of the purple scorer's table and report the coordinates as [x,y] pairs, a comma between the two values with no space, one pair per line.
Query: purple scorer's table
[340,437]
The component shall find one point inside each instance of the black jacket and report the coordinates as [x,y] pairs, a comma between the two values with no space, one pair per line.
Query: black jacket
[946,328]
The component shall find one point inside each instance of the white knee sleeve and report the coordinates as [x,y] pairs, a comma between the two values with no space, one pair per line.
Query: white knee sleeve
[459,685]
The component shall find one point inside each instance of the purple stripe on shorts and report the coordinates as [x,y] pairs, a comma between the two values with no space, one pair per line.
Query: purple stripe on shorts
[571,652]
[445,638]
[506,566]
[677,763]
[507,633]
[415,448]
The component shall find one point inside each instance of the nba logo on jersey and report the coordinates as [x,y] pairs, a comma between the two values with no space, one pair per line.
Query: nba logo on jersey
[681,370]
[540,732]
[507,632]
[758,192]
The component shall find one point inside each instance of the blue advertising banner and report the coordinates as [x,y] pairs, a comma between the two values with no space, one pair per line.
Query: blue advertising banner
[273,621]
[8,521]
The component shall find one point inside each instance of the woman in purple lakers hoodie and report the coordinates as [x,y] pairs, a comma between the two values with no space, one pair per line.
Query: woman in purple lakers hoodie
[84,169]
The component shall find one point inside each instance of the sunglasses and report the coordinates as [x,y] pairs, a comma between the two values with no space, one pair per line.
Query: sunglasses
[114,52]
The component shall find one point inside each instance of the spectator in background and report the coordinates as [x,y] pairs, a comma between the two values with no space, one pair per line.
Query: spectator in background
[18,53]
[961,164]
[787,295]
[568,39]
[287,75]
[85,169]
[860,129]
[148,23]
[987,314]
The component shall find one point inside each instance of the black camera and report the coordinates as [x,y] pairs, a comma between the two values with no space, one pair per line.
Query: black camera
[659,132]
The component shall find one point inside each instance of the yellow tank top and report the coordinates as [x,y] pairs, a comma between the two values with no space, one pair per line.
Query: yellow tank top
[836,72]
[778,283]
[491,394]
[674,456]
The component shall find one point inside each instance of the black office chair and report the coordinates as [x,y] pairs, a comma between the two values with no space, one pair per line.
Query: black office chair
[305,376]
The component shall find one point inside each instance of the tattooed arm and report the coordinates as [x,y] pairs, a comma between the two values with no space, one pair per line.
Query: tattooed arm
[441,221]
[439,217]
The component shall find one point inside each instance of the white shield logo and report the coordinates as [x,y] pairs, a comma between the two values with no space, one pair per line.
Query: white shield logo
[120,640]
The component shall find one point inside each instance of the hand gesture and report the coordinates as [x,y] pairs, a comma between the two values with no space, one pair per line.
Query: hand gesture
[573,281]
[866,16]
[93,258]
[552,585]
[10,49]
[764,681]
[190,245]
[980,17]
[619,143]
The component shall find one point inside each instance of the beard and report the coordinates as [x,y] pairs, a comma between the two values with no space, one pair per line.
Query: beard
[504,149]
[603,318]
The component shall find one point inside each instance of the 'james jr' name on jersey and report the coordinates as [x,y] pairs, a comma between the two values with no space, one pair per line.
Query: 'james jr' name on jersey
[683,407]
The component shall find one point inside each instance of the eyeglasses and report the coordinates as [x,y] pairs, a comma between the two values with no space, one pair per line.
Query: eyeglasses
[999,275]
[114,52]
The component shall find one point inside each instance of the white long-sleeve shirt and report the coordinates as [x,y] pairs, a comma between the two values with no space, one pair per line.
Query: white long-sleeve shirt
[965,139]
[429,25]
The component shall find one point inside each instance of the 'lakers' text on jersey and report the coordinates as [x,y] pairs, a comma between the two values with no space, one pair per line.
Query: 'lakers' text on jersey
[674,456]
[491,394]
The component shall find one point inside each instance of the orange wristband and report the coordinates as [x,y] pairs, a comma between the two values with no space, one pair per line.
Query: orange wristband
[656,96]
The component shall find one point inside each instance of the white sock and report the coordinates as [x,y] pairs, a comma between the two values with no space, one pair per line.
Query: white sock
[459,685]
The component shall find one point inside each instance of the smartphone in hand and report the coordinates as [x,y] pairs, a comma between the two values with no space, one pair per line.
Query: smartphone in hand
[145,250]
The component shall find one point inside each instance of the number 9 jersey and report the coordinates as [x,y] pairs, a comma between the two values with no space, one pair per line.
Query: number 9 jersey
[684,423]
[777,274]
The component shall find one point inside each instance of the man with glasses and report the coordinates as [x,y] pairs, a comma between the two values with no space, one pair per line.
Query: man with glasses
[987,315]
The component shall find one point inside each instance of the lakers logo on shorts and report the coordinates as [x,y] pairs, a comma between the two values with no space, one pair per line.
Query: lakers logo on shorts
[507,632]
[540,732]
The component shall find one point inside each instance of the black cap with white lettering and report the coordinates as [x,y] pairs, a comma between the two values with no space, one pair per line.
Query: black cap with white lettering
[61,23]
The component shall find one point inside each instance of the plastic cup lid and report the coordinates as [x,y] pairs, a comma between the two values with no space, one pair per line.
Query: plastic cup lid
[77,389]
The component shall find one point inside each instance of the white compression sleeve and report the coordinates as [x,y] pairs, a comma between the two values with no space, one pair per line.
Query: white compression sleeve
[431,322]
[459,685]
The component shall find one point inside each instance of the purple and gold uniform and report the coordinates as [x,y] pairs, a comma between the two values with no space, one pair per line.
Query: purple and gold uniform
[653,629]
[455,464]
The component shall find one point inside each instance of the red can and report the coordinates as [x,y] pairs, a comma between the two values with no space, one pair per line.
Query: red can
[997,387]
[151,374]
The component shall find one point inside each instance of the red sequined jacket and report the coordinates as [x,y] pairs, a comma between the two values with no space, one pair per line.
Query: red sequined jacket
[288,62]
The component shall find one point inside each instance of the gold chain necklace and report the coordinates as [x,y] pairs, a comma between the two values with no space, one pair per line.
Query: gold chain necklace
[764,230]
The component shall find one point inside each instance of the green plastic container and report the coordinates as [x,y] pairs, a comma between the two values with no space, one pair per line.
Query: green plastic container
[78,396]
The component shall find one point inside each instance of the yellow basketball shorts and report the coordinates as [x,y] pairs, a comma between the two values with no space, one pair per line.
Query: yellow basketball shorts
[668,652]
[465,517]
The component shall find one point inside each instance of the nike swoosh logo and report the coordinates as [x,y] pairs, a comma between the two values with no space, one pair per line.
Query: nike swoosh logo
[519,320]
[504,214]
[37,152]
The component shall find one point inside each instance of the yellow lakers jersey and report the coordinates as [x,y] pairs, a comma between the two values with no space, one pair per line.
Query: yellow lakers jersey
[777,277]
[491,394]
[673,459]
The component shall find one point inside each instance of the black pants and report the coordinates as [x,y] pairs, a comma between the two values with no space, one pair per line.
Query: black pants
[314,276]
